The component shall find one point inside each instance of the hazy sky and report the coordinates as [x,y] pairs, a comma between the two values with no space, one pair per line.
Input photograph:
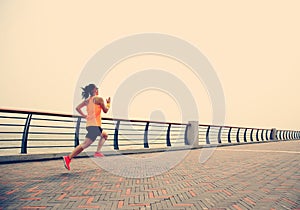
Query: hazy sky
[253,47]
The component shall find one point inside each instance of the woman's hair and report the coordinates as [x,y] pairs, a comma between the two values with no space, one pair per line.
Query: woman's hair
[87,91]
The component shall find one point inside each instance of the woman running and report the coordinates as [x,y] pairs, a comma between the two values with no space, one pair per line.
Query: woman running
[94,105]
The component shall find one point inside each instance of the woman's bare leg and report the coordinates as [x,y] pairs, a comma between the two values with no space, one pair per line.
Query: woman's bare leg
[87,142]
[101,141]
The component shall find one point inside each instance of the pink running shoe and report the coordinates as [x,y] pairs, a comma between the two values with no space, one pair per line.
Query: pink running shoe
[67,161]
[98,154]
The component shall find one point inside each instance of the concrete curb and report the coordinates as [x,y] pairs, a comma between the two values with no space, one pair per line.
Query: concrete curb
[54,156]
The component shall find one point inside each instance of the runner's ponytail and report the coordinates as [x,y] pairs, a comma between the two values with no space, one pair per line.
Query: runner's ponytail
[87,91]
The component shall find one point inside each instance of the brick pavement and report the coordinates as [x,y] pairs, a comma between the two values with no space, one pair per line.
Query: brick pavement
[256,176]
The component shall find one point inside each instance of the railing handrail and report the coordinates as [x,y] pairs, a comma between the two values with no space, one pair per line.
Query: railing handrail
[121,119]
[79,116]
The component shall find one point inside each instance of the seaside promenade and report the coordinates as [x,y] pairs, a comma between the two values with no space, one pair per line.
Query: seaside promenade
[250,176]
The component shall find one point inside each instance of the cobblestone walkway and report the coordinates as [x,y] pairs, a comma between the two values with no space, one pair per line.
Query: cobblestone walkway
[256,176]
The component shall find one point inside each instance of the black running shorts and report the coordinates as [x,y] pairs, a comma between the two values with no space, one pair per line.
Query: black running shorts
[93,132]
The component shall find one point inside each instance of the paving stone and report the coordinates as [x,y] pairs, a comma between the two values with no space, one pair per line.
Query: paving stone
[235,177]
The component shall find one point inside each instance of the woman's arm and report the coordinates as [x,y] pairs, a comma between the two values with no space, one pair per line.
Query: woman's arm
[79,107]
[101,103]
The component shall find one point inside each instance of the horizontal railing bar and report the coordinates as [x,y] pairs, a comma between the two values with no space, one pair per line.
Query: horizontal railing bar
[235,127]
[53,120]
[114,119]
[122,129]
[51,126]
[11,132]
[49,146]
[8,117]
[47,133]
[56,140]
[76,116]
[143,121]
[105,123]
[10,147]
[11,140]
[131,144]
[35,112]
[12,125]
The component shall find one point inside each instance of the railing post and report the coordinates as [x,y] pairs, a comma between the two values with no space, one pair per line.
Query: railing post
[219,135]
[25,134]
[229,135]
[294,134]
[251,136]
[207,135]
[273,135]
[116,136]
[267,131]
[257,139]
[186,141]
[280,135]
[192,134]
[238,136]
[146,145]
[262,134]
[245,135]
[168,136]
[76,139]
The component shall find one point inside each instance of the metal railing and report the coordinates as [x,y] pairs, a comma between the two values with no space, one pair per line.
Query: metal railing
[36,131]
[21,131]
[209,134]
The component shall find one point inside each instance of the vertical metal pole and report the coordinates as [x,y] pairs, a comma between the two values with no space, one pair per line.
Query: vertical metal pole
[262,134]
[273,134]
[207,135]
[168,136]
[186,141]
[245,135]
[267,131]
[257,139]
[251,136]
[238,136]
[77,130]
[294,134]
[146,145]
[280,135]
[219,135]
[229,135]
[116,136]
[25,134]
